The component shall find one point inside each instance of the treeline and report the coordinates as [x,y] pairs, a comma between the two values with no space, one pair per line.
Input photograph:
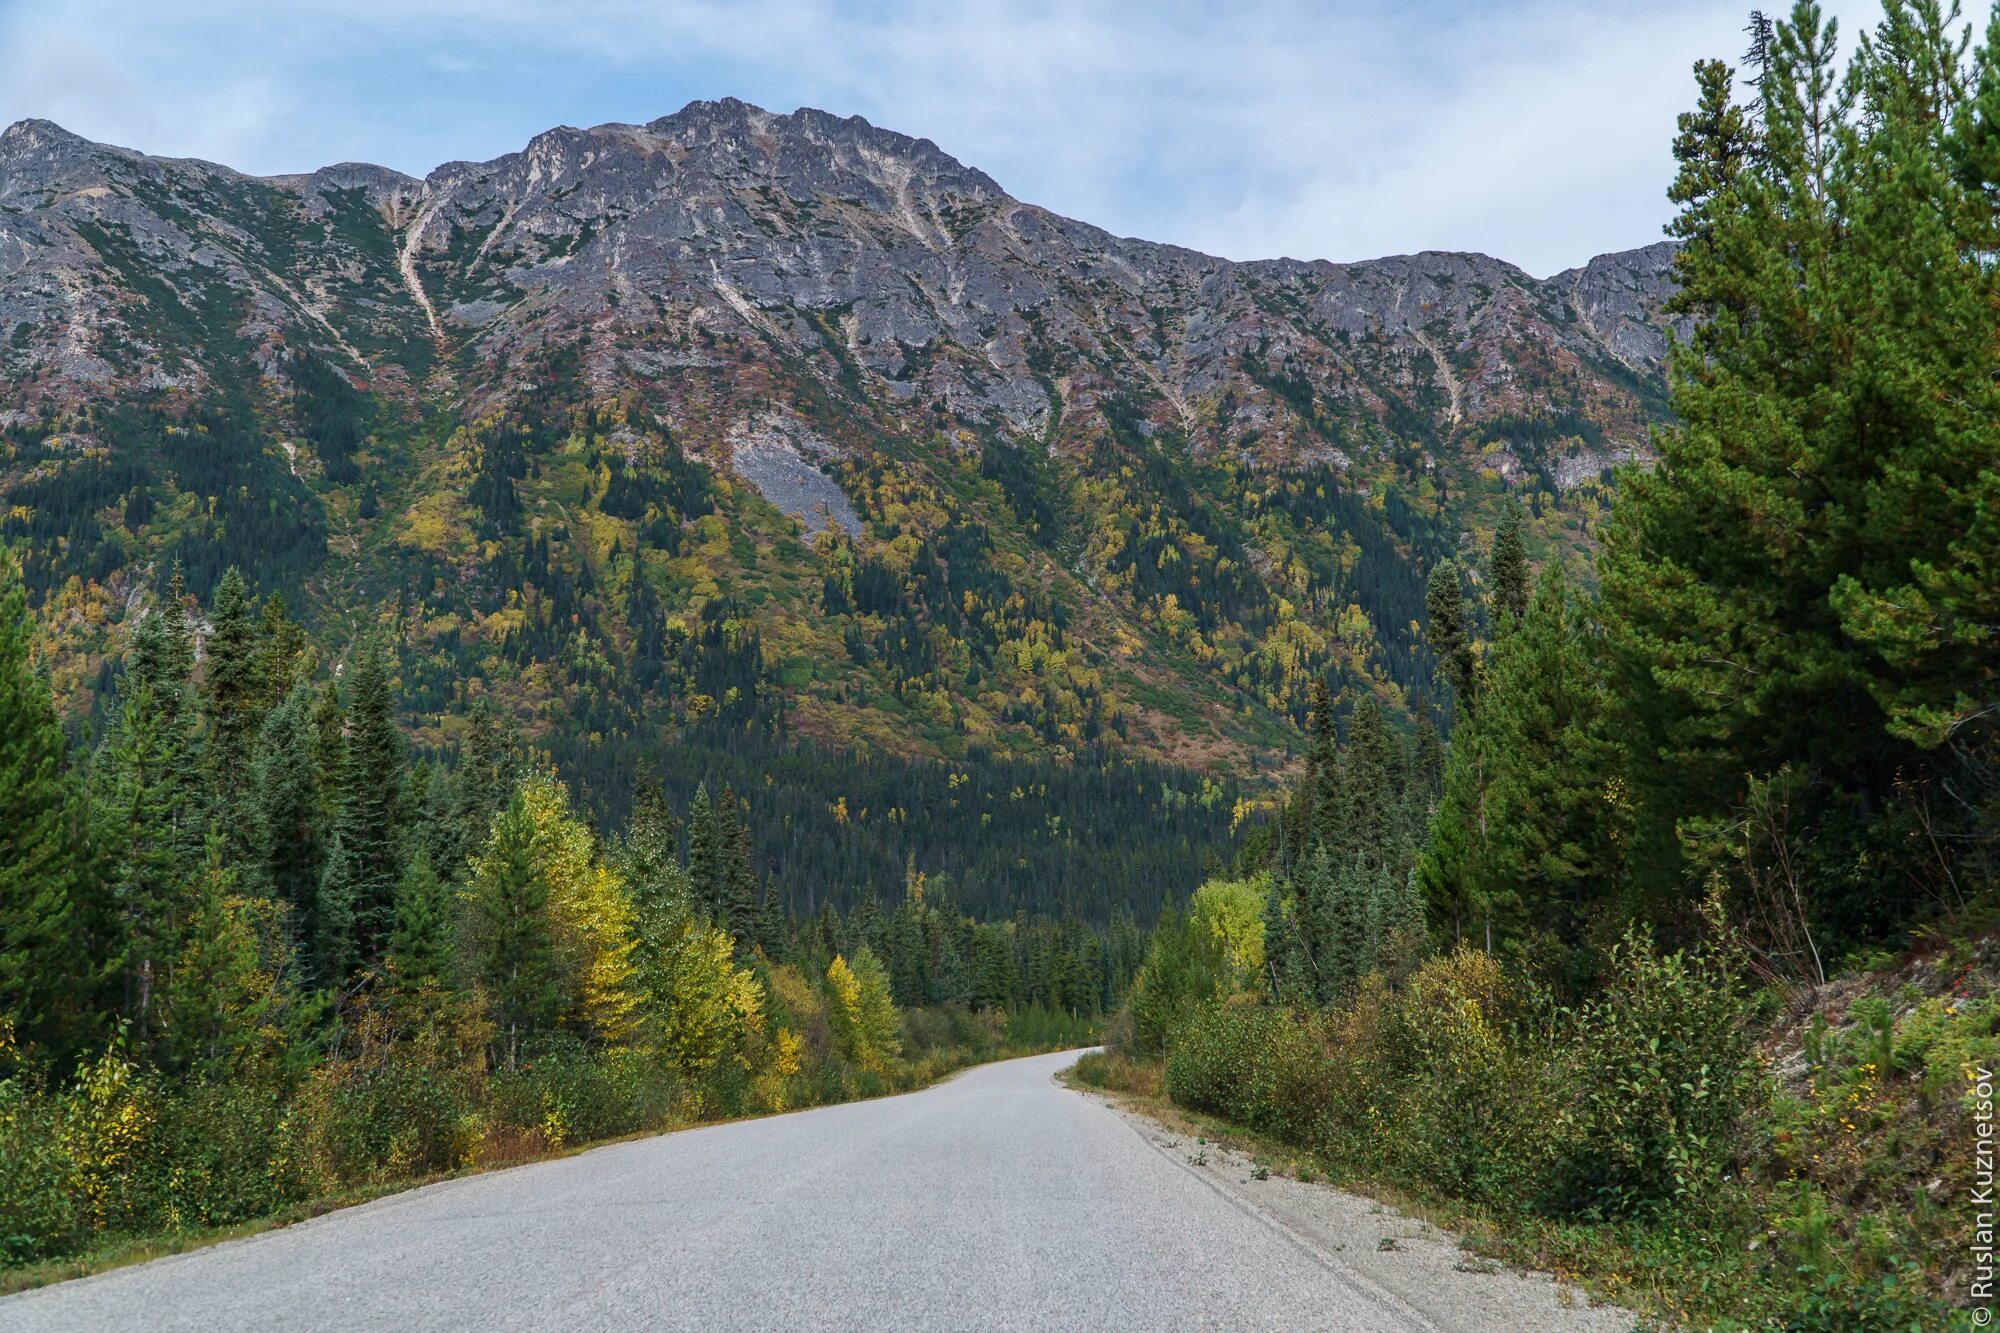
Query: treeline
[255,951]
[1760,752]
[1096,837]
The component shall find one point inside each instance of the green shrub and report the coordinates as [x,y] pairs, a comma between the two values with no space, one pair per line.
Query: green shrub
[1456,1093]
[209,1159]
[940,1028]
[1114,1073]
[1264,1067]
[39,1217]
[1659,1064]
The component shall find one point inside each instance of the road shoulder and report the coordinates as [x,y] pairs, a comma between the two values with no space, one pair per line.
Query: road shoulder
[1417,1264]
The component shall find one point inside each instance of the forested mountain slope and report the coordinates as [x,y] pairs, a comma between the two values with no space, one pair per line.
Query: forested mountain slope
[780,421]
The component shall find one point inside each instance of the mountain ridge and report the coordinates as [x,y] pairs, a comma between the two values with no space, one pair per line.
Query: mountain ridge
[1174,467]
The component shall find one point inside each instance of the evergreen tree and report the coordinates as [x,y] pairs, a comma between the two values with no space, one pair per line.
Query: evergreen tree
[1371,784]
[1345,929]
[334,949]
[1311,951]
[364,864]
[41,889]
[1530,832]
[1552,770]
[1285,964]
[1777,589]
[176,659]
[1450,635]
[648,854]
[1426,762]
[232,705]
[1509,567]
[329,743]
[423,944]
[1451,867]
[280,655]
[736,891]
[662,903]
[483,782]
[1398,922]
[513,949]
[705,853]
[290,814]
[1323,777]
[876,1024]
[146,812]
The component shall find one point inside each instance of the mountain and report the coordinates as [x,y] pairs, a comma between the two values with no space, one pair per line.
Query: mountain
[787,421]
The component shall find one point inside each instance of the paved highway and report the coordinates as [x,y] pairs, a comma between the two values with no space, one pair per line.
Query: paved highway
[996,1200]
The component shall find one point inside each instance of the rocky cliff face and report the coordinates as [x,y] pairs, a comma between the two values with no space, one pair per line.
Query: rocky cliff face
[809,296]
[862,251]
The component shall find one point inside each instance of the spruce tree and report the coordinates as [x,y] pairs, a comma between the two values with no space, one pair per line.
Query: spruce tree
[423,944]
[232,708]
[1426,762]
[178,650]
[1371,784]
[1346,928]
[1313,909]
[1284,963]
[1509,567]
[514,950]
[662,911]
[1449,635]
[1779,589]
[41,890]
[432,798]
[146,812]
[875,1021]
[281,651]
[481,787]
[737,893]
[365,862]
[333,946]
[1323,777]
[648,854]
[1452,868]
[705,853]
[1551,769]
[290,811]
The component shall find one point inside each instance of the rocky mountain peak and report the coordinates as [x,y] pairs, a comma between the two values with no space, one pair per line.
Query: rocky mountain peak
[874,343]
[871,253]
[33,135]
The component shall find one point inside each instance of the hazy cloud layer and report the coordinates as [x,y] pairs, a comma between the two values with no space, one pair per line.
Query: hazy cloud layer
[1537,131]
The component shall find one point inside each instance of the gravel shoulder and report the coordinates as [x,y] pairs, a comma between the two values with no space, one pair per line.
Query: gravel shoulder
[1407,1258]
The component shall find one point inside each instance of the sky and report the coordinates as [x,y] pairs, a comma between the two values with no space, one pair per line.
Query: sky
[1538,131]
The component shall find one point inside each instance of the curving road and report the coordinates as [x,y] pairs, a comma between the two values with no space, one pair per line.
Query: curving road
[997,1200]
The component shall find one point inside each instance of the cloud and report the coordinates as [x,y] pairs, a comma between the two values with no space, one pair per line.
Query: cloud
[1535,130]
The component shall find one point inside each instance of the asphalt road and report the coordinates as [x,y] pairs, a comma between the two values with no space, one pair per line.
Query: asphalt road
[996,1200]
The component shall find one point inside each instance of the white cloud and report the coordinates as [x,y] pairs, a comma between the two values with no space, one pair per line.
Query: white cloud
[1536,130]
